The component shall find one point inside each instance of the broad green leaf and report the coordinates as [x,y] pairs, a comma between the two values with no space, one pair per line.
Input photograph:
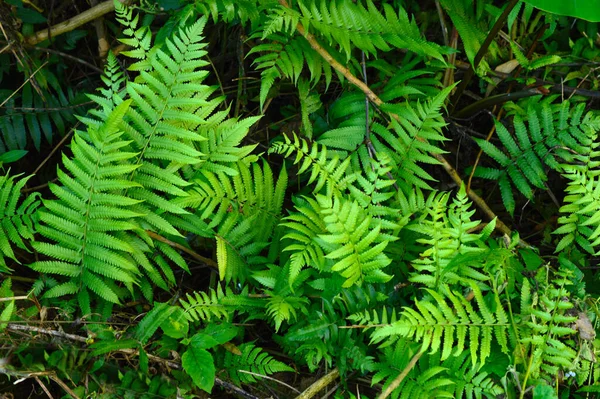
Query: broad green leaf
[584,9]
[199,365]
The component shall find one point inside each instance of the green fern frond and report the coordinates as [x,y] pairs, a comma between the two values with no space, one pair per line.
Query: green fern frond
[469,379]
[285,56]
[139,38]
[254,360]
[229,11]
[358,248]
[547,335]
[109,96]
[284,308]
[27,117]
[550,136]
[581,224]
[468,20]
[347,24]
[243,210]
[453,326]
[79,222]
[223,145]
[452,254]
[223,199]
[325,173]
[303,228]
[17,218]
[407,81]
[412,140]
[202,306]
[423,381]
[375,317]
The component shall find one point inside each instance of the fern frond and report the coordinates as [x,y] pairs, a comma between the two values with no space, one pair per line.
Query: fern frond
[202,306]
[452,254]
[328,174]
[423,381]
[27,116]
[358,248]
[581,224]
[139,38]
[453,326]
[79,222]
[412,140]
[548,333]
[17,218]
[550,136]
[254,360]
[347,24]
[468,21]
[303,228]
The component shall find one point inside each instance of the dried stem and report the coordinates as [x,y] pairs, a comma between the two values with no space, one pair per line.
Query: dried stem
[73,23]
[319,385]
[55,333]
[24,83]
[398,380]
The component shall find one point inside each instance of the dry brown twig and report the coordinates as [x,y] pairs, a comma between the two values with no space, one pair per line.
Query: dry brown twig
[72,23]
[398,380]
[320,384]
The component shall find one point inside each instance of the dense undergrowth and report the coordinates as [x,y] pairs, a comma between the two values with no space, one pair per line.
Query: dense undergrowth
[383,198]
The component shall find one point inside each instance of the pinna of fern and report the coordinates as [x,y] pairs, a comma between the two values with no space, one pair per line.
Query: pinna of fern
[405,144]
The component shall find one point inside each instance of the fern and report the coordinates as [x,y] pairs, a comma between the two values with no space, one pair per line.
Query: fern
[468,21]
[358,248]
[581,224]
[403,145]
[8,308]
[242,209]
[253,360]
[285,56]
[343,24]
[17,218]
[243,11]
[438,326]
[85,221]
[547,344]
[456,377]
[348,24]
[223,199]
[303,228]
[328,174]
[205,306]
[548,137]
[453,255]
